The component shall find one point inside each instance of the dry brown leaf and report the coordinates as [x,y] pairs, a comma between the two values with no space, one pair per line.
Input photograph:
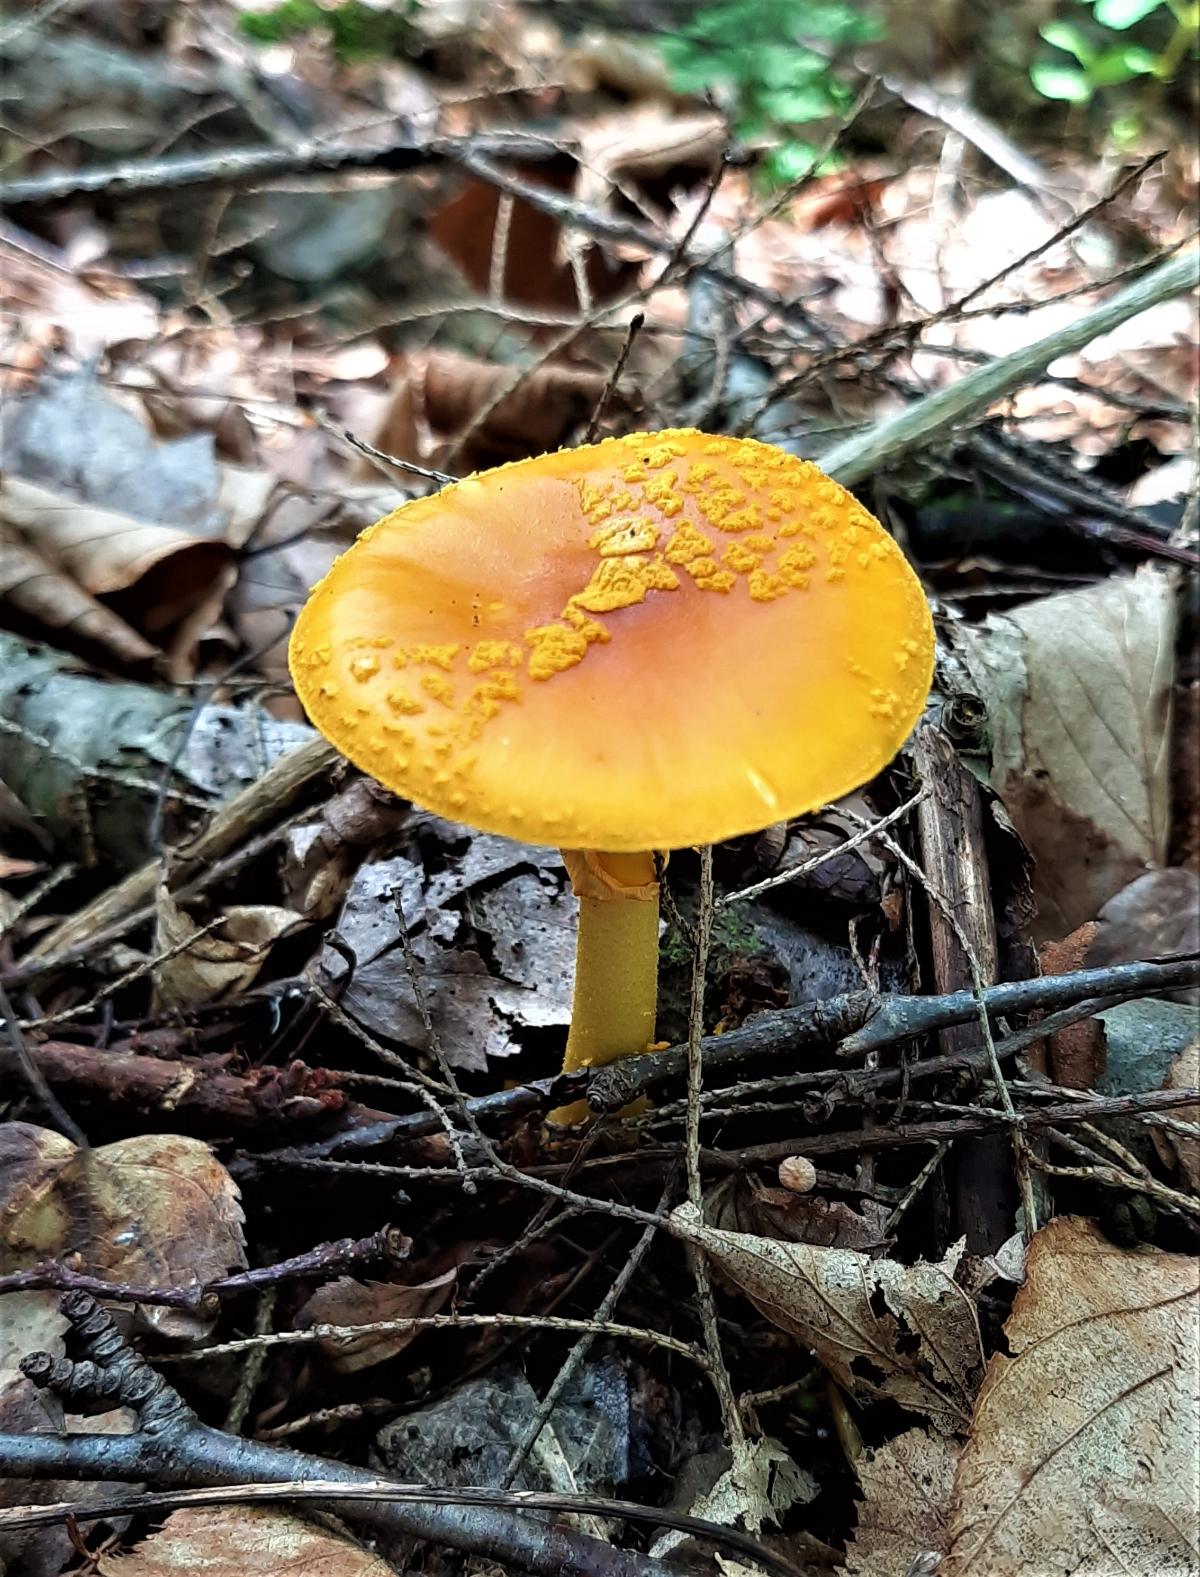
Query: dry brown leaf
[156,1210]
[631,145]
[1157,914]
[757,1492]
[1176,1149]
[43,599]
[349,1302]
[243,1541]
[907,1333]
[1078,688]
[906,1492]
[220,962]
[1083,1448]
[160,572]
[739,1204]
[533,274]
[441,393]
[1078,1053]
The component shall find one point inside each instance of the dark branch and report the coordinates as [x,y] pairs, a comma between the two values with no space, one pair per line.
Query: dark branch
[173,1448]
[327,1259]
[234,167]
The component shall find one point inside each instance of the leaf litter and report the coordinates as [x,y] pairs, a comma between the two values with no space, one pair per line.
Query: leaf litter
[175,481]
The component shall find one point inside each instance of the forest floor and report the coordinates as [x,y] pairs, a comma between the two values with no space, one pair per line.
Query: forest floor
[893,1267]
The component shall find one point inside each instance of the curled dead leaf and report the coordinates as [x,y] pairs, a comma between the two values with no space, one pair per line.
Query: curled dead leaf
[349,1302]
[157,1210]
[154,575]
[42,598]
[441,393]
[741,1204]
[217,963]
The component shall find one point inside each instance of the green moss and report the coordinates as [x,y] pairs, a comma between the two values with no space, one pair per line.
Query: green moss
[735,944]
[357,31]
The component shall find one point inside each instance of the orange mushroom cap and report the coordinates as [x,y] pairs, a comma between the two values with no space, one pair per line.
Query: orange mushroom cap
[654,641]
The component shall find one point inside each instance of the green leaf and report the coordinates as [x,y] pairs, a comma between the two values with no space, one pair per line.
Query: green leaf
[792,162]
[1126,129]
[1121,63]
[794,106]
[1120,14]
[786,66]
[1065,35]
[1060,82]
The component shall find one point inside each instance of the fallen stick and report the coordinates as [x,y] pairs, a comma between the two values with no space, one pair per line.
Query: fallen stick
[172,1447]
[857,458]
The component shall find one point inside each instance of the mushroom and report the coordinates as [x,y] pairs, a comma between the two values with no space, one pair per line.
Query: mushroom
[651,642]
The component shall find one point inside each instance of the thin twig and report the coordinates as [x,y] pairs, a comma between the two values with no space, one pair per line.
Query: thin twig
[697,1260]
[579,1351]
[636,323]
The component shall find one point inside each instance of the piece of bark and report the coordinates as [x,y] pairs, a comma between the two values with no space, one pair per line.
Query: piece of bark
[954,857]
[208,1087]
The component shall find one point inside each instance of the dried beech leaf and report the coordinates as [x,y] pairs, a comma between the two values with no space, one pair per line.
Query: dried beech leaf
[907,1333]
[1083,1448]
[441,393]
[157,1210]
[218,963]
[646,141]
[906,1491]
[163,571]
[1177,1149]
[349,1302]
[242,1541]
[44,599]
[740,1204]
[1078,688]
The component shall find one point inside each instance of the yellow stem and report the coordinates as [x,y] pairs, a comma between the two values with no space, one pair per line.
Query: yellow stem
[616,963]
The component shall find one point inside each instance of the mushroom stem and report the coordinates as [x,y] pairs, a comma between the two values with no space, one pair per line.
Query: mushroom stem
[616,962]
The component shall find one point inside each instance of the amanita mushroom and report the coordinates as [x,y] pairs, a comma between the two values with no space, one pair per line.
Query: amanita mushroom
[655,641]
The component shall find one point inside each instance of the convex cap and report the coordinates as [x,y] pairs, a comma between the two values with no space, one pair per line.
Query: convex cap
[654,641]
